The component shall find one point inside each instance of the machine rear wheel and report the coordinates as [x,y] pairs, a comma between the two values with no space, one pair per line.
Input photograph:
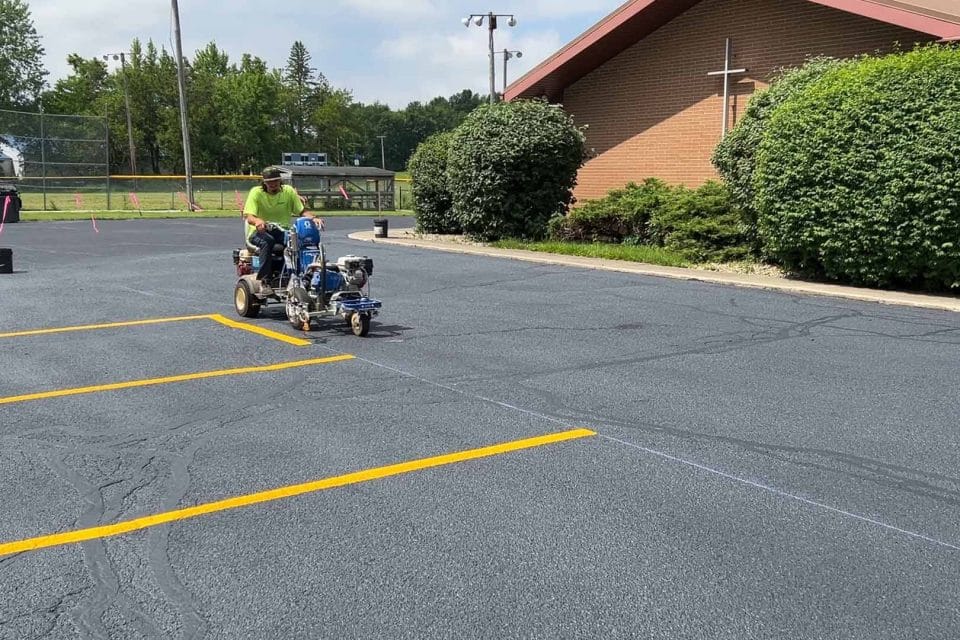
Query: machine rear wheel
[244,301]
[360,324]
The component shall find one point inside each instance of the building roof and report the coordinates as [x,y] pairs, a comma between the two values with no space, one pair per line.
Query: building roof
[336,172]
[636,19]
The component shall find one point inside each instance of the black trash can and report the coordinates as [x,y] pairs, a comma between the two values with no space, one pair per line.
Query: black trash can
[6,260]
[381,227]
[11,207]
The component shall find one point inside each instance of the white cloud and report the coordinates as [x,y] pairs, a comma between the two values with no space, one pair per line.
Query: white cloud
[393,9]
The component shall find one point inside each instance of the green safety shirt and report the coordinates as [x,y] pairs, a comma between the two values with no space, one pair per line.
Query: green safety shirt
[277,208]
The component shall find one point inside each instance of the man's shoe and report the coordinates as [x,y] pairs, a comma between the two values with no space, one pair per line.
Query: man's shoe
[266,289]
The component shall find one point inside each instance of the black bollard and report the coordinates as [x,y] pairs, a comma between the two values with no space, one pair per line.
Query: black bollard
[6,260]
[380,227]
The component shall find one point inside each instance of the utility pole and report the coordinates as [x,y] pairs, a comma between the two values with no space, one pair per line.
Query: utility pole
[491,26]
[184,121]
[383,160]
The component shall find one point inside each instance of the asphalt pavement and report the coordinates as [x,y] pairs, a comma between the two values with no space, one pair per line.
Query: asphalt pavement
[762,464]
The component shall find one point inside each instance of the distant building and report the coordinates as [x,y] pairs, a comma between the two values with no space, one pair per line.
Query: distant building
[650,78]
[11,161]
[305,159]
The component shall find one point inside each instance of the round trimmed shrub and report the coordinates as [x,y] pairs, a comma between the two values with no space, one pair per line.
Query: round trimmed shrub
[858,176]
[511,167]
[428,174]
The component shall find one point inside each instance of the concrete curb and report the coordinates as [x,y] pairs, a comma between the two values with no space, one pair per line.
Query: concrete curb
[407,237]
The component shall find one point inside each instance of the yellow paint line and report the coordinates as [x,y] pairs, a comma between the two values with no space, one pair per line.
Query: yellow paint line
[90,327]
[59,393]
[92,533]
[216,317]
[233,324]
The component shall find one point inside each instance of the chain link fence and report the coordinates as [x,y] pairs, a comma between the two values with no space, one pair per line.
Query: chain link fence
[63,164]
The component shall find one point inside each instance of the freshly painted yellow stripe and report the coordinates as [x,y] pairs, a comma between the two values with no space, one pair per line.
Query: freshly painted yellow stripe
[216,317]
[59,393]
[80,535]
[259,330]
[89,327]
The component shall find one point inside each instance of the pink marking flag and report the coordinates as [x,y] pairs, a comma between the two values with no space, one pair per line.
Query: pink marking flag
[344,192]
[78,200]
[238,199]
[94,221]
[3,220]
[134,200]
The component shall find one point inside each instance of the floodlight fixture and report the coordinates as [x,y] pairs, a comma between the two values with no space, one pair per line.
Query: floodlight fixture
[477,19]
[508,54]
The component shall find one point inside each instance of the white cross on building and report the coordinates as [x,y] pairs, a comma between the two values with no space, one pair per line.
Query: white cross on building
[726,73]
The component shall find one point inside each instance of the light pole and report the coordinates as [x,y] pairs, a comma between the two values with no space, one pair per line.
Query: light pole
[126,100]
[491,18]
[383,158]
[506,56]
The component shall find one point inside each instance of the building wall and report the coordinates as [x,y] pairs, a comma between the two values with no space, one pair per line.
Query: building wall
[652,111]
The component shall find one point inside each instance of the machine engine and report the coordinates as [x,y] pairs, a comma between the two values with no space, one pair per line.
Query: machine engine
[355,269]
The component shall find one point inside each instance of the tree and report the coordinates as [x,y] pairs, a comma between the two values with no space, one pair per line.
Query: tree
[79,92]
[210,67]
[250,137]
[21,65]
[307,90]
[334,123]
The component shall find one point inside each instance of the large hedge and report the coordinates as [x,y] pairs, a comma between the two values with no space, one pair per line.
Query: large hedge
[735,156]
[431,196]
[511,167]
[858,176]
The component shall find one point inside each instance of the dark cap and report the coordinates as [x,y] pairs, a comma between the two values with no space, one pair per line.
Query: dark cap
[271,173]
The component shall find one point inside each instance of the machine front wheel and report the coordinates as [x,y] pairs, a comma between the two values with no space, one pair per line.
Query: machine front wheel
[360,324]
[243,299]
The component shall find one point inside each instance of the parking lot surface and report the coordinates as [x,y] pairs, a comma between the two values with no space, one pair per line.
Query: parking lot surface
[516,451]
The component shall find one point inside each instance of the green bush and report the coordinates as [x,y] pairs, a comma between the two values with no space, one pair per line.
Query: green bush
[623,214]
[700,224]
[432,204]
[858,176]
[735,156]
[511,167]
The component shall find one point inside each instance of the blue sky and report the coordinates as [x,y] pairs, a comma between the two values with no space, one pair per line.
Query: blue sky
[391,51]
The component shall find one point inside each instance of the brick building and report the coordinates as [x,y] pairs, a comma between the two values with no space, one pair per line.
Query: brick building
[645,77]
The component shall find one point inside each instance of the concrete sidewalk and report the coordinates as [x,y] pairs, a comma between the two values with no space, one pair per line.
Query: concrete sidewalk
[407,237]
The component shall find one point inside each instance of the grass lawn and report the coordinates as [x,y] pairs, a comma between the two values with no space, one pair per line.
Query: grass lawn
[632,253]
[41,216]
